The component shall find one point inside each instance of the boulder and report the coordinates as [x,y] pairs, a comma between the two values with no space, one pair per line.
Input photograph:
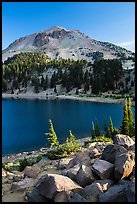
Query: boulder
[22,185]
[123,140]
[91,192]
[31,171]
[80,158]
[51,184]
[105,184]
[85,176]
[71,173]
[103,169]
[62,163]
[112,151]
[35,196]
[94,153]
[10,176]
[124,164]
[121,192]
[69,196]
[4,172]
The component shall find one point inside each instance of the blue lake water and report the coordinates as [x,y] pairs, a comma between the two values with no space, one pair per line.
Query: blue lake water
[24,122]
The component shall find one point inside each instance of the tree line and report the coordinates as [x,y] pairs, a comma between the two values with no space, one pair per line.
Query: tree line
[28,68]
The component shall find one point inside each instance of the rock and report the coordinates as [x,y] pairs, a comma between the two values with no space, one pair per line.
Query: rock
[112,151]
[72,172]
[132,148]
[85,176]
[69,196]
[35,196]
[31,171]
[105,184]
[91,192]
[4,172]
[103,169]
[22,185]
[50,184]
[80,158]
[75,197]
[18,176]
[124,165]
[121,192]
[94,153]
[62,197]
[130,192]
[62,163]
[123,140]
[10,176]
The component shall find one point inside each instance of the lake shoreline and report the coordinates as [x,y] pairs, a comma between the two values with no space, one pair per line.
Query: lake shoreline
[40,96]
[32,153]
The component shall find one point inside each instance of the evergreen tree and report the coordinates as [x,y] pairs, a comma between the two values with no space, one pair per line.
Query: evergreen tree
[97,129]
[106,128]
[125,121]
[111,128]
[130,118]
[93,131]
[53,141]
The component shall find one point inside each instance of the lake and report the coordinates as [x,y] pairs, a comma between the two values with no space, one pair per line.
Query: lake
[24,122]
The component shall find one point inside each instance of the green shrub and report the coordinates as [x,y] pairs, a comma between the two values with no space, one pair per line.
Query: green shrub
[10,166]
[29,162]
[56,153]
[102,138]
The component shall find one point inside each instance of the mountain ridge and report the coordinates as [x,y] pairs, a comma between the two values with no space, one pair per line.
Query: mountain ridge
[59,42]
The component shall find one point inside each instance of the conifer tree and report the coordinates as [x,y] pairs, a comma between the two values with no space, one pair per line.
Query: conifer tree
[106,128]
[97,130]
[125,121]
[130,118]
[93,131]
[53,141]
[111,128]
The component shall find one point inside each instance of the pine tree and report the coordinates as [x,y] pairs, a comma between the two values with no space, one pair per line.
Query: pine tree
[111,128]
[125,121]
[93,131]
[106,128]
[130,118]
[53,141]
[71,137]
[97,130]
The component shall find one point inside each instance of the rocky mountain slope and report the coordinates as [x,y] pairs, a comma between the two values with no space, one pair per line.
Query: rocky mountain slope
[60,42]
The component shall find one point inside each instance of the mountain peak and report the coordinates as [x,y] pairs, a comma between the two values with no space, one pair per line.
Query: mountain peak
[55,28]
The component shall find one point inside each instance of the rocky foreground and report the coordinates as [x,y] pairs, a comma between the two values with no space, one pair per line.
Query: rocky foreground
[100,172]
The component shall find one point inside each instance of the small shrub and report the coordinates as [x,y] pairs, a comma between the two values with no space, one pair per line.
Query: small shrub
[56,154]
[102,138]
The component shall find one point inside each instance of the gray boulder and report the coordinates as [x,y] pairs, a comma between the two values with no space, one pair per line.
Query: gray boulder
[22,185]
[72,172]
[69,196]
[85,176]
[31,171]
[80,158]
[51,184]
[124,164]
[123,140]
[91,192]
[105,184]
[62,163]
[35,196]
[122,192]
[103,169]
[112,151]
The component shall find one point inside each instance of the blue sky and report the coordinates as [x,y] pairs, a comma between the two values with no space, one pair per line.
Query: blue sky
[105,21]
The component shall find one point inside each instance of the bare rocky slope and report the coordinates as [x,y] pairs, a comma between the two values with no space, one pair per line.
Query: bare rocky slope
[60,42]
